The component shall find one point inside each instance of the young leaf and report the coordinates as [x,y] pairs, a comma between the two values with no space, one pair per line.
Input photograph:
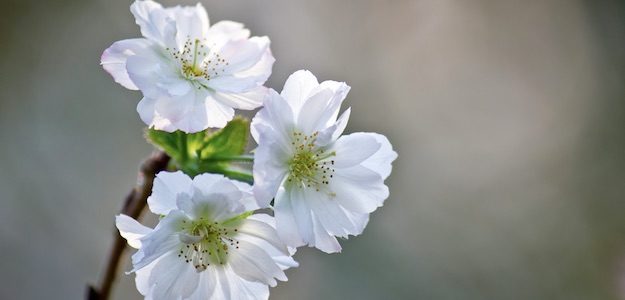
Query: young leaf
[229,141]
[204,152]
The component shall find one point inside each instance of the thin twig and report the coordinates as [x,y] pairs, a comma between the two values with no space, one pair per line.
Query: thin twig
[134,205]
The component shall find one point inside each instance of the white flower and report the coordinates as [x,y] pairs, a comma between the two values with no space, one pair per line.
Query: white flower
[324,185]
[207,245]
[191,74]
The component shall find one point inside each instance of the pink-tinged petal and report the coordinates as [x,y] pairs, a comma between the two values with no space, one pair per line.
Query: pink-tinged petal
[114,59]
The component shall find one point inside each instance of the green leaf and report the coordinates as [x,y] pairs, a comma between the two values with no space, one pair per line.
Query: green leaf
[206,152]
[178,145]
[229,141]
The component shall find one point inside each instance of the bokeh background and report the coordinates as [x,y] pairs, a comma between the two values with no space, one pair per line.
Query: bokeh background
[508,116]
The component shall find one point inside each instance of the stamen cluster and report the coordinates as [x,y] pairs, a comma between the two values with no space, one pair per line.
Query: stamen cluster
[198,60]
[215,241]
[310,165]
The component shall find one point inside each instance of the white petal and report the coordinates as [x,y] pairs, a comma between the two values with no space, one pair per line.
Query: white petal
[233,287]
[167,186]
[173,278]
[297,88]
[353,149]
[155,23]
[142,278]
[217,197]
[217,114]
[194,111]
[286,224]
[162,240]
[322,106]
[253,264]
[206,285]
[224,31]
[245,79]
[330,214]
[302,215]
[333,132]
[152,72]
[269,170]
[323,240]
[147,112]
[277,118]
[247,195]
[262,230]
[131,230]
[260,71]
[246,100]
[380,162]
[358,189]
[275,248]
[285,262]
[243,54]
[209,184]
[191,22]
[114,59]
[312,110]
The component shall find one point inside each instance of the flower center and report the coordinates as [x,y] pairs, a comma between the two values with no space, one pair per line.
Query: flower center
[198,61]
[310,166]
[206,242]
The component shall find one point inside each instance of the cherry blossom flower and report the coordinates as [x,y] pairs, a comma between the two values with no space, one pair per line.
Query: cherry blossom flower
[192,75]
[325,185]
[207,244]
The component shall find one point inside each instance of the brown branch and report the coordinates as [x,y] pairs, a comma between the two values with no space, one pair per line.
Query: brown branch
[134,204]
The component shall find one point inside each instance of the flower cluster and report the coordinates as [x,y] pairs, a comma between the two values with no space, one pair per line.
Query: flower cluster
[217,236]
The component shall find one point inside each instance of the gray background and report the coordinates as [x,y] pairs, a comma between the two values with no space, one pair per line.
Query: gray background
[508,117]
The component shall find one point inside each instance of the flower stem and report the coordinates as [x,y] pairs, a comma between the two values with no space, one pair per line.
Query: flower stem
[134,205]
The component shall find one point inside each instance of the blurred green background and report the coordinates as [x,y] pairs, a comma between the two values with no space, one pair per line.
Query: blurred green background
[508,116]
